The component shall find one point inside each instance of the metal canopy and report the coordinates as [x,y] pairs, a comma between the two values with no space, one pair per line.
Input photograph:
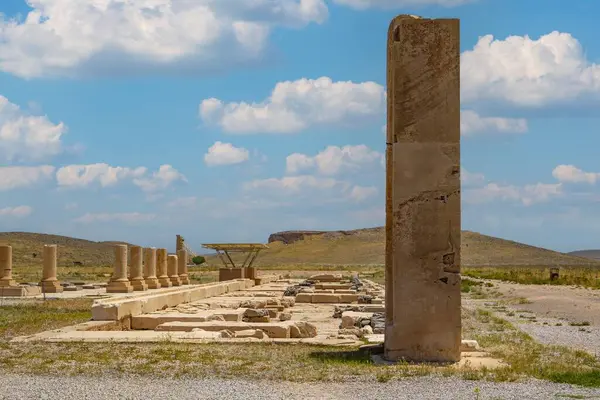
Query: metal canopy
[223,250]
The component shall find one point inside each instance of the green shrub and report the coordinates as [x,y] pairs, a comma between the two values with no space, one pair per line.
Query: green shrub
[198,260]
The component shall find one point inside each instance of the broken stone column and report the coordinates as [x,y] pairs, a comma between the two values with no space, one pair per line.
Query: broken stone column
[161,268]
[50,282]
[150,268]
[6,279]
[137,277]
[422,280]
[119,282]
[182,266]
[172,267]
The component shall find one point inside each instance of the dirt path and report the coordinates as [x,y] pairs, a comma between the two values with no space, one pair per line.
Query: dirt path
[562,302]
[554,315]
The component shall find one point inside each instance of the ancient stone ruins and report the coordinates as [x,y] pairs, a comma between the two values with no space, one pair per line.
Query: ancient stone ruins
[422,284]
[420,320]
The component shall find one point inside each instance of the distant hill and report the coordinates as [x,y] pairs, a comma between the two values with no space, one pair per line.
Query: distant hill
[27,249]
[593,254]
[367,246]
[358,247]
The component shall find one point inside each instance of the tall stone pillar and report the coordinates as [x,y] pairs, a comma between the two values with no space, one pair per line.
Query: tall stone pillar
[161,268]
[150,268]
[119,282]
[182,269]
[6,279]
[137,278]
[422,280]
[172,266]
[50,282]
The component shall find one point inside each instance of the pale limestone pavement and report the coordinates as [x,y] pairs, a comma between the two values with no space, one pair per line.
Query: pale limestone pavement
[423,298]
[25,387]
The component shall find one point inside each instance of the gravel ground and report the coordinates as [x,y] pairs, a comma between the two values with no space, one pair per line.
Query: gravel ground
[585,338]
[98,388]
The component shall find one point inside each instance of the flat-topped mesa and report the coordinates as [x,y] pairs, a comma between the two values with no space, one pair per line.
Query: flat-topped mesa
[120,282]
[423,303]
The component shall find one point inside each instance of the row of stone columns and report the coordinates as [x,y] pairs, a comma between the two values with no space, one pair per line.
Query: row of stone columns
[158,269]
[49,283]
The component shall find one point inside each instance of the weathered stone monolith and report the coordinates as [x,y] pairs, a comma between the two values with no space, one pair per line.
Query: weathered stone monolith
[49,283]
[150,268]
[6,279]
[182,266]
[120,282]
[136,272]
[172,266]
[423,304]
[161,268]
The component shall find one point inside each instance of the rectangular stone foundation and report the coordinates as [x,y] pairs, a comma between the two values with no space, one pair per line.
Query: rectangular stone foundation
[229,274]
[423,195]
[147,302]
[19,291]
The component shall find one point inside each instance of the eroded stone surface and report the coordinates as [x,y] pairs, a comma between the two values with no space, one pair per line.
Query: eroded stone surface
[423,196]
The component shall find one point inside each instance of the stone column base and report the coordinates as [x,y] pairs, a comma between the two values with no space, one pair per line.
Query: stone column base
[8,283]
[185,279]
[51,287]
[119,287]
[139,285]
[165,282]
[228,274]
[175,280]
[152,283]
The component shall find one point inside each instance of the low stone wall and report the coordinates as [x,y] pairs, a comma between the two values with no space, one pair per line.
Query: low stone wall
[118,309]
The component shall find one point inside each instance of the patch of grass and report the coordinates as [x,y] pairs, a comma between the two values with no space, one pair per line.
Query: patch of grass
[526,357]
[588,277]
[584,323]
[29,318]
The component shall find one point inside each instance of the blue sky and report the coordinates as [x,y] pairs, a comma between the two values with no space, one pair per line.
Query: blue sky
[227,120]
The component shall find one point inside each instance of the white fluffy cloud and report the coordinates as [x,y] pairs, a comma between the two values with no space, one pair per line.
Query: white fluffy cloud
[572,174]
[66,37]
[86,175]
[25,137]
[297,105]
[321,189]
[362,193]
[16,212]
[159,180]
[527,195]
[132,217]
[528,72]
[225,154]
[293,184]
[468,178]
[396,4]
[18,177]
[80,176]
[472,123]
[334,160]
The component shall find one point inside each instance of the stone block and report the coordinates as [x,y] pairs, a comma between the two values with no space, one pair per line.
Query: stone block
[272,329]
[348,298]
[352,318]
[304,298]
[77,288]
[326,298]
